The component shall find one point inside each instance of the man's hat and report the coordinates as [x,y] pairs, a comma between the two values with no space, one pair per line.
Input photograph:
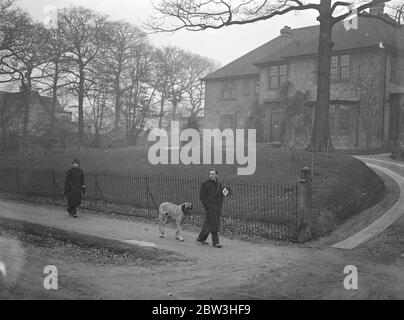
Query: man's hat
[75,161]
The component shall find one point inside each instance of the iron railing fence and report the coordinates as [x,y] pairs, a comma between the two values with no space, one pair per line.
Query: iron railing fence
[254,207]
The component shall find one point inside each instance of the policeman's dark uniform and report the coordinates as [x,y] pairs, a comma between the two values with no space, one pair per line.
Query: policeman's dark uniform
[74,186]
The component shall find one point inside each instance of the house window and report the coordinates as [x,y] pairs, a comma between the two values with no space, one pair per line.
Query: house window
[246,87]
[15,125]
[227,121]
[340,68]
[339,119]
[282,74]
[344,67]
[393,68]
[273,77]
[229,90]
[334,68]
[277,75]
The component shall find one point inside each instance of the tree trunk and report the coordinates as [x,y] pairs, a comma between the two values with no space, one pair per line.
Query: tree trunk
[54,100]
[117,90]
[174,102]
[320,139]
[27,104]
[81,106]
[161,115]
[26,115]
[3,140]
[117,110]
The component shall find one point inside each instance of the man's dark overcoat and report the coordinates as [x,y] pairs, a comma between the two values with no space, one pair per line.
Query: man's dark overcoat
[211,196]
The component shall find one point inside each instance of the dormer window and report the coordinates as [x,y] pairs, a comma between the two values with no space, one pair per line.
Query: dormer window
[278,75]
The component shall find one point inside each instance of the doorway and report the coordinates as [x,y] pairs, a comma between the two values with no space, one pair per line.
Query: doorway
[276,117]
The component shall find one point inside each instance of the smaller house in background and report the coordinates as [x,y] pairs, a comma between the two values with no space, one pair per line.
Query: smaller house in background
[184,122]
[14,114]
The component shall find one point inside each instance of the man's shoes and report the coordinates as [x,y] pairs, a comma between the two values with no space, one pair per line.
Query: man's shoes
[217,245]
[202,242]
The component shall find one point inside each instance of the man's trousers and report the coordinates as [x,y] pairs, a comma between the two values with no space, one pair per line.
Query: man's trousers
[205,234]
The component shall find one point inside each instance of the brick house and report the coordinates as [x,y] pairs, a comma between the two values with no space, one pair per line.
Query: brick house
[273,88]
[12,114]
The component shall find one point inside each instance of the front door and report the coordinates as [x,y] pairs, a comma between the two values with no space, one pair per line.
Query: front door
[275,125]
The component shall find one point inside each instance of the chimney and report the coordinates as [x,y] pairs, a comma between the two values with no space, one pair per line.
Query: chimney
[286,36]
[377,9]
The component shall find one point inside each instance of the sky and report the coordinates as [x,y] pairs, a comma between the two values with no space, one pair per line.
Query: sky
[223,45]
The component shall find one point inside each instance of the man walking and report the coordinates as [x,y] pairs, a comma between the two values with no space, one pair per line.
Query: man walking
[211,196]
[74,187]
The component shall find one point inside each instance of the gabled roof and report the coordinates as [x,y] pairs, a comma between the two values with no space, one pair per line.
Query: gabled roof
[48,101]
[370,33]
[16,99]
[244,66]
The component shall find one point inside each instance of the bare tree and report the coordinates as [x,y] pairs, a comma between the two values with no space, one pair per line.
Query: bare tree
[172,75]
[5,5]
[396,8]
[122,37]
[100,107]
[26,56]
[162,82]
[197,15]
[55,71]
[177,78]
[141,82]
[84,33]
[197,67]
[13,26]
[7,10]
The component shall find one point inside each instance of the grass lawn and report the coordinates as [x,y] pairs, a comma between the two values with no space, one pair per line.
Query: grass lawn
[273,165]
[342,185]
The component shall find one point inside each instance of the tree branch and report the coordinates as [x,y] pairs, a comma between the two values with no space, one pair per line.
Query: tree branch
[359,9]
[339,3]
[205,15]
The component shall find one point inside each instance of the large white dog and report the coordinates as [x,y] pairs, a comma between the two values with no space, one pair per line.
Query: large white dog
[176,212]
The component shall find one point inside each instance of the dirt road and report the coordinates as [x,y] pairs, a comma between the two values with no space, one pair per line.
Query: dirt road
[240,270]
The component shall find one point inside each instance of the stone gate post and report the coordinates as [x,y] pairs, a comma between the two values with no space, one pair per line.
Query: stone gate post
[304,210]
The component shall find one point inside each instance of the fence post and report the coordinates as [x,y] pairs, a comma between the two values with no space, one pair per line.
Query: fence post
[54,186]
[304,212]
[96,187]
[147,196]
[17,181]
